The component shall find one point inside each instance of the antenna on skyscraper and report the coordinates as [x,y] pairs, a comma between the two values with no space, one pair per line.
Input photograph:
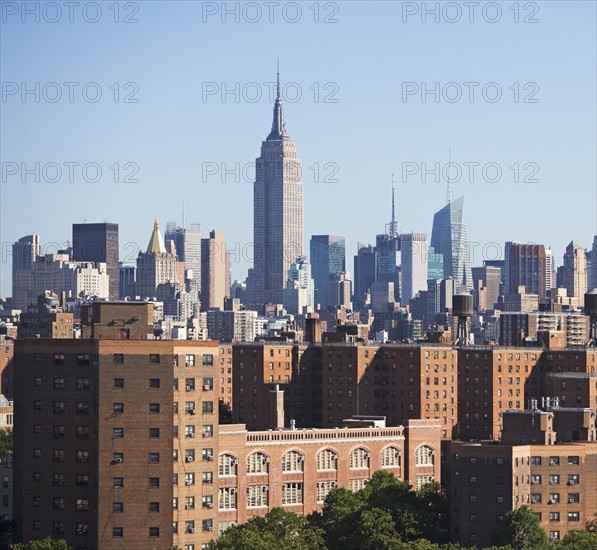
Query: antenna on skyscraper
[278,79]
[449,190]
[393,225]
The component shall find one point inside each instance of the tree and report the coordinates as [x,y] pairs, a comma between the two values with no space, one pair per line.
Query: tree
[521,530]
[579,540]
[224,412]
[375,531]
[44,544]
[278,530]
[5,442]
[337,519]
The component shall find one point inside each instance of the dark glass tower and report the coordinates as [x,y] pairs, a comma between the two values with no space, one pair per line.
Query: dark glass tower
[327,256]
[98,242]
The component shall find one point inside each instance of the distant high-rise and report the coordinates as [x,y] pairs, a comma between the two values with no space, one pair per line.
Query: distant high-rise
[155,268]
[98,242]
[24,253]
[364,272]
[215,271]
[448,237]
[549,272]
[526,265]
[490,277]
[299,292]
[575,272]
[187,240]
[126,280]
[413,248]
[327,257]
[277,211]
[593,283]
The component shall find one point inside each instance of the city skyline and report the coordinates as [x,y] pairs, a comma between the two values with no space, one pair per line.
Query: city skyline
[327,133]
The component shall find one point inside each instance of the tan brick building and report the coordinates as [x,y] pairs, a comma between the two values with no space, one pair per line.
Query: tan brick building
[559,481]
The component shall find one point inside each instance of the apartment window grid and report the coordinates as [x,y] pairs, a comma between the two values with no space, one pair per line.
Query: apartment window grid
[357,484]
[423,480]
[227,498]
[292,461]
[324,488]
[359,458]
[327,460]
[257,496]
[390,457]
[257,463]
[292,493]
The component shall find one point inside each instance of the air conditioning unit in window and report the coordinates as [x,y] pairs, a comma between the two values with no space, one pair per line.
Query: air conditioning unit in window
[209,504]
[191,411]
[206,387]
[300,459]
[210,458]
[189,459]
[188,482]
[233,462]
[266,460]
[206,434]
[188,388]
[552,462]
[188,506]
[190,529]
[571,500]
[571,482]
[551,501]
[191,434]
[209,529]
[116,460]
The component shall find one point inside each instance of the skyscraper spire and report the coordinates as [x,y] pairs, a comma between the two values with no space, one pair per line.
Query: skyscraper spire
[393,229]
[278,128]
[449,190]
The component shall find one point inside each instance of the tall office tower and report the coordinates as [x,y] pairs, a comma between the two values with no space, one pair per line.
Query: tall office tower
[575,272]
[490,277]
[387,259]
[448,237]
[413,250]
[127,280]
[435,264]
[593,282]
[215,271]
[277,211]
[525,265]
[155,267]
[24,253]
[98,242]
[364,272]
[340,291]
[298,297]
[549,272]
[327,256]
[187,240]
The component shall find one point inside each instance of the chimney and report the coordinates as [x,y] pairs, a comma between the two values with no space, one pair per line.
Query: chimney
[276,408]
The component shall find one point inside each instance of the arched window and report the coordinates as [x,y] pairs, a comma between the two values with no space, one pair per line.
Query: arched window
[359,458]
[227,465]
[327,460]
[424,456]
[292,461]
[390,457]
[257,463]
[324,488]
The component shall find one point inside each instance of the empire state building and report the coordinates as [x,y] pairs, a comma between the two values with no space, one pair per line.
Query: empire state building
[277,212]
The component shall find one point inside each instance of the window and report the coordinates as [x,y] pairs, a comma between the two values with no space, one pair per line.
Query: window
[189,503]
[82,407]
[535,498]
[118,408]
[390,457]
[154,383]
[327,460]
[118,383]
[118,482]
[573,497]
[257,463]
[154,358]
[554,535]
[208,430]
[154,482]
[82,383]
[357,484]
[323,489]
[207,407]
[37,381]
[227,465]
[535,480]
[154,458]
[424,456]
[154,531]
[292,493]
[58,455]
[36,476]
[292,461]
[154,432]
[59,359]
[58,430]
[573,516]
[257,495]
[536,460]
[82,529]
[189,360]
[37,357]
[423,480]
[472,517]
[117,432]
[359,458]
[154,407]
[58,407]
[208,360]
[117,531]
[82,432]
[118,507]
[554,479]
[58,527]
[58,503]
[82,480]
[82,359]
[573,479]
[207,525]
[82,504]
[554,498]
[58,383]
[573,461]
[118,358]
[227,498]
[154,506]
[82,456]
[554,460]
[554,516]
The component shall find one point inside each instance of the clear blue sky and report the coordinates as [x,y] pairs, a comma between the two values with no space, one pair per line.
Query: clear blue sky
[367,55]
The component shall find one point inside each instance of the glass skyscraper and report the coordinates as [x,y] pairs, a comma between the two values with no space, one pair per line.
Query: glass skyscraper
[448,237]
[328,258]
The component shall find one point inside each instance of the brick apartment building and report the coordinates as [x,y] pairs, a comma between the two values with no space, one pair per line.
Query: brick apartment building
[547,460]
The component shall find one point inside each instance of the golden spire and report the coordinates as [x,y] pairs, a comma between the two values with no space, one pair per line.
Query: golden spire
[156,243]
